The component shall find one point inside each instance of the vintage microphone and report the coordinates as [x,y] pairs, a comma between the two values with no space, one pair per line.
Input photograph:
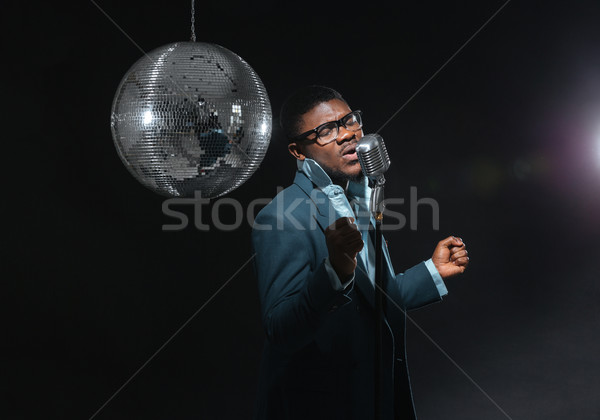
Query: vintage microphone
[374,161]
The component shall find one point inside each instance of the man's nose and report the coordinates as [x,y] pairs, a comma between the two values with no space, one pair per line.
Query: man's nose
[344,134]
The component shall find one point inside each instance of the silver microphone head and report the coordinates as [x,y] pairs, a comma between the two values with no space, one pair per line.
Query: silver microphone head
[373,156]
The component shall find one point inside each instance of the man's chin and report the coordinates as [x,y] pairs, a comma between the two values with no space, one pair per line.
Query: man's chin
[355,170]
[357,177]
[351,171]
[350,174]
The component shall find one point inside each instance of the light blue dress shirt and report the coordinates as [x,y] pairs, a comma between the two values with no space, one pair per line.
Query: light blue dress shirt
[359,194]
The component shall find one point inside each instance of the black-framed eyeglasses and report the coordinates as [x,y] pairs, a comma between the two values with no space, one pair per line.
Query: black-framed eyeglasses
[329,131]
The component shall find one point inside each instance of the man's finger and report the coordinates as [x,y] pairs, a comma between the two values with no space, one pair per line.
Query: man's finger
[463,261]
[341,222]
[348,239]
[348,229]
[451,240]
[457,249]
[349,234]
[354,246]
[457,255]
[350,256]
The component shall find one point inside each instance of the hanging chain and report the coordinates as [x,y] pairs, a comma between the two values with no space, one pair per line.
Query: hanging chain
[193,22]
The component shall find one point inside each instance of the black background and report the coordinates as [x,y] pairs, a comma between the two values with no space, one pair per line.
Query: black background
[506,138]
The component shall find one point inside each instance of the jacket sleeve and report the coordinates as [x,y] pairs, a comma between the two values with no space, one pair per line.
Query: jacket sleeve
[412,289]
[296,293]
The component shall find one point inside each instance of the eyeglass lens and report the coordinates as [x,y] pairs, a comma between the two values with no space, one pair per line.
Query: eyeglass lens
[329,132]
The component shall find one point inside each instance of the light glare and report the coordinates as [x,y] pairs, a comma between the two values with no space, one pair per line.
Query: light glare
[147,117]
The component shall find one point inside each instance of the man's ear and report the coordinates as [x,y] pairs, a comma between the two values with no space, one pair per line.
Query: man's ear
[296,151]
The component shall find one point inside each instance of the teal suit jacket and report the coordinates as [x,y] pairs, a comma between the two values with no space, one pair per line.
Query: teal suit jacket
[318,357]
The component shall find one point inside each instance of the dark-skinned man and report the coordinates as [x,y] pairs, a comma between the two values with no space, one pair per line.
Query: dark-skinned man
[315,269]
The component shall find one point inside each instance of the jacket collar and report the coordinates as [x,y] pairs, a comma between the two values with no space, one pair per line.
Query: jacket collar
[318,177]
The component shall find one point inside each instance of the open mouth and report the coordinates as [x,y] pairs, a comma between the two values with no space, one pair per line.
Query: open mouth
[350,153]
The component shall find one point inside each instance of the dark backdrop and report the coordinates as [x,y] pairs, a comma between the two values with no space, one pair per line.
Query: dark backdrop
[506,138]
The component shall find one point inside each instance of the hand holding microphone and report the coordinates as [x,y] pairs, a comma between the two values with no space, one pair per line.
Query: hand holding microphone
[344,242]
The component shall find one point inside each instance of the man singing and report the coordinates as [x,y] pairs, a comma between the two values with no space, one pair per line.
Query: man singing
[315,262]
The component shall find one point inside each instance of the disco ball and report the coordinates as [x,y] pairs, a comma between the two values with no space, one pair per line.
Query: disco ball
[191,116]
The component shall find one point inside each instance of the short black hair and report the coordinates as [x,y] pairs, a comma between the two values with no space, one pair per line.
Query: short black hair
[299,103]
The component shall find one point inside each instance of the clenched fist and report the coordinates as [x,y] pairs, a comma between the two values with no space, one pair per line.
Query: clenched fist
[450,257]
[344,242]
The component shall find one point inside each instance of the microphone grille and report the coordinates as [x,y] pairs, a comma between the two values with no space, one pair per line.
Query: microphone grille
[372,155]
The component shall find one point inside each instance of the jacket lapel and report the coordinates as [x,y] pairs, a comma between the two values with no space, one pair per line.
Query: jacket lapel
[323,216]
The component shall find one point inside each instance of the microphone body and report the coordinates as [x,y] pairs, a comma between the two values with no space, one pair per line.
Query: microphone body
[374,161]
